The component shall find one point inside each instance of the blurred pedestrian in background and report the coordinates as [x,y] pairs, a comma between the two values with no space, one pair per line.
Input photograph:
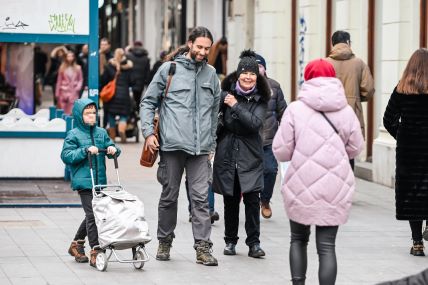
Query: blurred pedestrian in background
[218,57]
[69,83]
[120,104]
[140,72]
[276,107]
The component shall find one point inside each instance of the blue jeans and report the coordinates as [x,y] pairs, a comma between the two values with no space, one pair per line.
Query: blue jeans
[112,120]
[211,200]
[270,171]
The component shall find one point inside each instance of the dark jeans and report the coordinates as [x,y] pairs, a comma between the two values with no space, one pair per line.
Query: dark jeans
[88,226]
[270,171]
[252,215]
[211,200]
[325,242]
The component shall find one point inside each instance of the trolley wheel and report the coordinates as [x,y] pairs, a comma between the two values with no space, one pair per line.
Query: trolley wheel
[101,261]
[138,255]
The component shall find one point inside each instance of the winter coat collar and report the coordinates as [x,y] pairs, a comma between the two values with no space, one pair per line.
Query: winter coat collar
[325,94]
[263,89]
[189,63]
[138,52]
[341,51]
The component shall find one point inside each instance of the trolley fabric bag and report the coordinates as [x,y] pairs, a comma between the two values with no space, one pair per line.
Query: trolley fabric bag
[119,217]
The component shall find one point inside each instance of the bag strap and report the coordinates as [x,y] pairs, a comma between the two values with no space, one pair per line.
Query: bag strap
[171,73]
[328,120]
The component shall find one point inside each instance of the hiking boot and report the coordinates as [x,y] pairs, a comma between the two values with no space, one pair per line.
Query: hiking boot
[203,254]
[418,248]
[256,251]
[77,249]
[214,217]
[93,261]
[425,233]
[164,248]
[266,210]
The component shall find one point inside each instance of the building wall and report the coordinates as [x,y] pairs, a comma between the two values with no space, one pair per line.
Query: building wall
[398,39]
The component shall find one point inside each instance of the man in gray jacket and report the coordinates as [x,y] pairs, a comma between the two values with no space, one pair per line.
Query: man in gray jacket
[188,123]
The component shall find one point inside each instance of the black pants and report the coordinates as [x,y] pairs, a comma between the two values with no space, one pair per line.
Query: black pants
[416,227]
[252,215]
[325,242]
[88,226]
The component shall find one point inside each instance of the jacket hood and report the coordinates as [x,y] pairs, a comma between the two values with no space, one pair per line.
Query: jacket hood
[324,94]
[341,51]
[138,51]
[263,88]
[189,63]
[79,106]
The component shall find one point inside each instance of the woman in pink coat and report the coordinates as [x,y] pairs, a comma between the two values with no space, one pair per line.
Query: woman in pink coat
[319,134]
[68,84]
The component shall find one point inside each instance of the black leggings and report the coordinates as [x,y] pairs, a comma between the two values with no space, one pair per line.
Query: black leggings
[416,227]
[325,241]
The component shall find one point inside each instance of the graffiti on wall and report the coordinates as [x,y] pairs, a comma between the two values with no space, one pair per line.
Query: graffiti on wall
[11,24]
[62,23]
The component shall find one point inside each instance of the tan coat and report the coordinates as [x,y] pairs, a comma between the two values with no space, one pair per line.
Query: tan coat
[355,76]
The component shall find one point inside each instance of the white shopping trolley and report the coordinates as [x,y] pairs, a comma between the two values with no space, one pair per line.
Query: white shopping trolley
[119,217]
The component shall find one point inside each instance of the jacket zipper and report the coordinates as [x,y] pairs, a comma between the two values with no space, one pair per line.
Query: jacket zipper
[96,157]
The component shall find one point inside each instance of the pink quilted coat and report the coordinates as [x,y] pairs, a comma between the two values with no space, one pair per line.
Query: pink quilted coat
[319,183]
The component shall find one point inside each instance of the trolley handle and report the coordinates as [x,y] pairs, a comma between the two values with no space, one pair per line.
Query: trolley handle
[116,164]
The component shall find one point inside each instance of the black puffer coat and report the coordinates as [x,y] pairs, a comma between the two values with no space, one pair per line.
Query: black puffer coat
[121,103]
[239,143]
[275,109]
[406,119]
[141,68]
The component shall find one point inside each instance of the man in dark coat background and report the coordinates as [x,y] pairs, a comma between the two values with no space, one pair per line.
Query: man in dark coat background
[140,73]
[276,107]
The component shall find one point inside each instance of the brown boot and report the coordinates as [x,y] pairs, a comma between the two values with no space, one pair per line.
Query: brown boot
[77,249]
[112,133]
[122,131]
[417,249]
[93,261]
[266,210]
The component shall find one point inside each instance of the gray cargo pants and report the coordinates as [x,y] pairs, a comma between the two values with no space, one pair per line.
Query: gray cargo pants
[170,171]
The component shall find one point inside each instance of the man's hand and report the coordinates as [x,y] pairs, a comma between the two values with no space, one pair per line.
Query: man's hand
[93,150]
[111,150]
[210,156]
[152,143]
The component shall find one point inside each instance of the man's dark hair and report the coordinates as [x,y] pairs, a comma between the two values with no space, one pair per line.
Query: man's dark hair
[198,32]
[105,40]
[340,37]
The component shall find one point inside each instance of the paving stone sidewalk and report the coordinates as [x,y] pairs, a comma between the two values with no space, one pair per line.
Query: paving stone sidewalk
[372,247]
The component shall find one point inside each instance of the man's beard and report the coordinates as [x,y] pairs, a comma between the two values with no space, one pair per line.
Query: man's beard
[193,55]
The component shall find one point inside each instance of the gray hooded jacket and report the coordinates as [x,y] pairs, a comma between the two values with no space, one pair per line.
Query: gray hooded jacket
[188,114]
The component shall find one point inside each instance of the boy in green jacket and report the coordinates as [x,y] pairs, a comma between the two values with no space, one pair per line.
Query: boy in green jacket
[86,138]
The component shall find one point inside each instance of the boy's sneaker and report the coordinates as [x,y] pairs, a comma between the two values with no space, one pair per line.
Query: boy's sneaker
[425,233]
[214,217]
[203,254]
[77,249]
[94,253]
[164,249]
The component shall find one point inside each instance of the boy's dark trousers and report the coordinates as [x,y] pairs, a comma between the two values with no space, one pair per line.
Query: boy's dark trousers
[88,226]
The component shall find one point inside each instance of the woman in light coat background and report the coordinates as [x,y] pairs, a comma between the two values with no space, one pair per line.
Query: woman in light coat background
[319,183]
